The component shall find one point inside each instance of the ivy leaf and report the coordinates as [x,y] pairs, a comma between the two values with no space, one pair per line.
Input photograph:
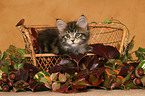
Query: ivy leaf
[54,76]
[112,52]
[36,86]
[130,45]
[48,85]
[140,53]
[20,86]
[107,52]
[99,49]
[108,21]
[22,52]
[75,58]
[113,85]
[5,68]
[143,80]
[62,77]
[31,69]
[64,66]
[126,78]
[95,81]
[55,86]
[130,85]
[118,81]
[18,65]
[80,83]
[22,75]
[64,89]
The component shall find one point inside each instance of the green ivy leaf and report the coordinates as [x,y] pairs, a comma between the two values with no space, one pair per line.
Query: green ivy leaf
[130,44]
[107,21]
[141,49]
[62,77]
[55,86]
[22,52]
[48,85]
[1,72]
[141,65]
[18,65]
[80,83]
[54,76]
[5,68]
[143,80]
[126,78]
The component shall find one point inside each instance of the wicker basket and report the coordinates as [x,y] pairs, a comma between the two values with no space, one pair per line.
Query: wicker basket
[115,34]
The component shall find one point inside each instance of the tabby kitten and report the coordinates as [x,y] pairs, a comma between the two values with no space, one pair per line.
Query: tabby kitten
[71,37]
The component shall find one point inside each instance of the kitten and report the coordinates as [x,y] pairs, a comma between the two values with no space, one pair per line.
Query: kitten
[71,37]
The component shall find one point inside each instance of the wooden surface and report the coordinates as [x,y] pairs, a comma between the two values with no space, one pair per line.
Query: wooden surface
[90,92]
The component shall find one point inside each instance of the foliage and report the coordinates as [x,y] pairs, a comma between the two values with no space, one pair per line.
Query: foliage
[104,69]
[12,59]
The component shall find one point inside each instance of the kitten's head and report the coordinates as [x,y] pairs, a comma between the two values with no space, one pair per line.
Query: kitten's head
[73,33]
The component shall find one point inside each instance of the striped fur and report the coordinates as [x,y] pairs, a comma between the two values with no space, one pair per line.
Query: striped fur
[71,37]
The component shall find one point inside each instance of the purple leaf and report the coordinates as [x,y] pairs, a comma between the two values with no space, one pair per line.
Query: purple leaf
[64,66]
[31,69]
[22,75]
[36,86]
[112,52]
[107,52]
[100,50]
[75,58]
[125,69]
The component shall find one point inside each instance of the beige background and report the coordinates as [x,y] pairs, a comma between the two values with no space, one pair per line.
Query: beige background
[45,12]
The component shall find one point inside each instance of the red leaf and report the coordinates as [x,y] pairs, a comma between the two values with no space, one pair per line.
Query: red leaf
[34,33]
[112,52]
[63,89]
[95,81]
[107,52]
[21,22]
[64,66]
[99,49]
[75,58]
[98,71]
[80,83]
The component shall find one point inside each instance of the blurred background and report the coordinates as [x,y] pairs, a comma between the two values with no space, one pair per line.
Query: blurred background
[45,12]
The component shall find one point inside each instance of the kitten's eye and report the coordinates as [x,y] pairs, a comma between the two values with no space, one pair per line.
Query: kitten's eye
[67,36]
[78,35]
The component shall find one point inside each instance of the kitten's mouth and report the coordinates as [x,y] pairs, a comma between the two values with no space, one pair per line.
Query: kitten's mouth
[73,45]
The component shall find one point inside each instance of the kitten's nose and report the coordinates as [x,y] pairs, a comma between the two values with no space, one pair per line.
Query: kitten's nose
[73,41]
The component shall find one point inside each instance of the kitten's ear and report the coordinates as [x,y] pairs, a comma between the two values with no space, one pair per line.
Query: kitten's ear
[82,22]
[61,25]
